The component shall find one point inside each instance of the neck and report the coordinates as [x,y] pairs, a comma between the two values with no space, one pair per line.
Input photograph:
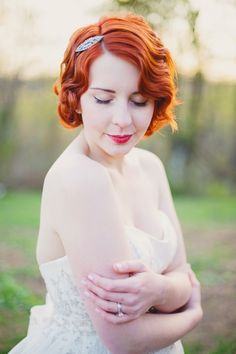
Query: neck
[113,164]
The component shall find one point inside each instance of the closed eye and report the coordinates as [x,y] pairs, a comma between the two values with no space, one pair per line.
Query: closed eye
[140,104]
[101,101]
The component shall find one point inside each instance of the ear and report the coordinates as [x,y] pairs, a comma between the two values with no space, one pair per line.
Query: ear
[78,110]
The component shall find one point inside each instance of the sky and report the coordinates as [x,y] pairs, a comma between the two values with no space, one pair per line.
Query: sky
[34,35]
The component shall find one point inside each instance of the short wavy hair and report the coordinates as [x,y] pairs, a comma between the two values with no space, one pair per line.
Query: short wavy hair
[131,38]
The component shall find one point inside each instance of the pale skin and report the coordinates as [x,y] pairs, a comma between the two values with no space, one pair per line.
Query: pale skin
[118,180]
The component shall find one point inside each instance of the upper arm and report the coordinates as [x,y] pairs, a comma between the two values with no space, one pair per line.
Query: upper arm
[90,225]
[166,204]
[87,218]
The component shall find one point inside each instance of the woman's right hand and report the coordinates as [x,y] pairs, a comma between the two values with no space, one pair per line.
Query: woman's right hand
[136,293]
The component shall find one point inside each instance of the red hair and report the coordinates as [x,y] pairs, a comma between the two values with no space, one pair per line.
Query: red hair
[132,39]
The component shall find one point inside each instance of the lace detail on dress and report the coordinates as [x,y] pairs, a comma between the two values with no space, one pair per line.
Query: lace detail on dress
[66,299]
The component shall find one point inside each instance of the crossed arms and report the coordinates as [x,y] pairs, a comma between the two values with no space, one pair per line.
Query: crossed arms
[77,214]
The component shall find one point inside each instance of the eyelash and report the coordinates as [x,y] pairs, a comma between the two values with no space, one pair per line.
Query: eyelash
[138,104]
[101,101]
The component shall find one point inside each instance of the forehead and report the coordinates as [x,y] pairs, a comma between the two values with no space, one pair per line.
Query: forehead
[111,72]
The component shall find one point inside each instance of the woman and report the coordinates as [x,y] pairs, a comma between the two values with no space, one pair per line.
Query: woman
[110,248]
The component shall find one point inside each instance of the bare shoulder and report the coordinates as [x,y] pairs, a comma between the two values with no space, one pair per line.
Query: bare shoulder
[149,161]
[72,189]
[75,173]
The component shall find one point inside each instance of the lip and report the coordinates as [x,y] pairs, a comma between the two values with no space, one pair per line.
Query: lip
[120,139]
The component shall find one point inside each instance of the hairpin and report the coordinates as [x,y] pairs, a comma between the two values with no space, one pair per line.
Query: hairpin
[88,43]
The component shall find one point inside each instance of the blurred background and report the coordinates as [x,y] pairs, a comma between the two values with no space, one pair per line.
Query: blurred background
[200,158]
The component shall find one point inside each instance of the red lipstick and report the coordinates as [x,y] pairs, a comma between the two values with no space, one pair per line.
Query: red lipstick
[120,139]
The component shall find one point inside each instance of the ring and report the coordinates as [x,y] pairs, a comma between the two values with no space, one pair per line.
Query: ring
[119,310]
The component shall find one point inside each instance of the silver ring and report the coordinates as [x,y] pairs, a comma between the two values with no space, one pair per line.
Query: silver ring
[119,310]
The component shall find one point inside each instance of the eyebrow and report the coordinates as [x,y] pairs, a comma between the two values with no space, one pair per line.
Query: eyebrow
[111,91]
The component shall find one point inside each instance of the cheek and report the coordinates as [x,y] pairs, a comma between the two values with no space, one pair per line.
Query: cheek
[88,110]
[93,119]
[96,115]
[144,119]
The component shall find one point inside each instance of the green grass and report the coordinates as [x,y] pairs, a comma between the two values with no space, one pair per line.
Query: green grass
[14,295]
[19,221]
[226,347]
[20,209]
[207,212]
[210,265]
[222,347]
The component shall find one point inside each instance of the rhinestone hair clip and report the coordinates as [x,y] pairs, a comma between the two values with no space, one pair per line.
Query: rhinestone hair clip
[88,43]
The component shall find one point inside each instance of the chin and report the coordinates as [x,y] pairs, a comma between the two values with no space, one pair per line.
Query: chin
[118,150]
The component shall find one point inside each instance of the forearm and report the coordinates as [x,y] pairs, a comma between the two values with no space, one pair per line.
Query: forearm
[152,332]
[176,293]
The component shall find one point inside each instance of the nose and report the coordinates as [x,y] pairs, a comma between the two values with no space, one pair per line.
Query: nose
[121,115]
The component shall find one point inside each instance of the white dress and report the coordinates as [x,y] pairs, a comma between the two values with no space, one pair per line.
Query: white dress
[62,325]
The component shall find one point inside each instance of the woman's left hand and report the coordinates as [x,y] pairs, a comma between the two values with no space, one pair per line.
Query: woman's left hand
[136,293]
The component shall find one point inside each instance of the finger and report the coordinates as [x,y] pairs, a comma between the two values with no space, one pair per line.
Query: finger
[115,285]
[127,299]
[97,290]
[132,266]
[109,306]
[114,318]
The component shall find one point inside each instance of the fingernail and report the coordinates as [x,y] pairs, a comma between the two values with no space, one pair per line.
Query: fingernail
[90,276]
[119,266]
[83,282]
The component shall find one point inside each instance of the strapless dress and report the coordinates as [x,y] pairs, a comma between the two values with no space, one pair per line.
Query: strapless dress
[62,325]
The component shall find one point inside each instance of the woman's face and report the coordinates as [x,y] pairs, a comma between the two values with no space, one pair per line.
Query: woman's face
[112,107]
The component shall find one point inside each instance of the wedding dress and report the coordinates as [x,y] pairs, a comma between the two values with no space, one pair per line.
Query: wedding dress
[62,325]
